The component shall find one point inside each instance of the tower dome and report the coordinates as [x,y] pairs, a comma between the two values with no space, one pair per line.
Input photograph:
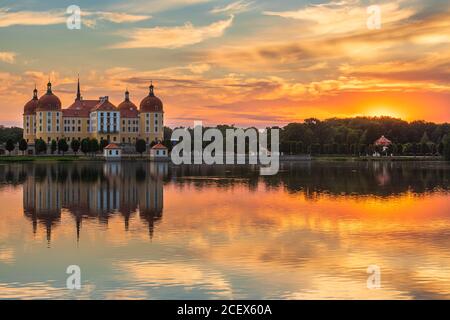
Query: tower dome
[127,108]
[49,102]
[30,106]
[151,103]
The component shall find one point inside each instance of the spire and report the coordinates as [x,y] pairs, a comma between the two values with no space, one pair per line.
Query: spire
[35,93]
[49,87]
[152,93]
[127,95]
[78,89]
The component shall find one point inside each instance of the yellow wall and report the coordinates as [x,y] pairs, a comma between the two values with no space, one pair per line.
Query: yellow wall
[29,128]
[56,123]
[40,120]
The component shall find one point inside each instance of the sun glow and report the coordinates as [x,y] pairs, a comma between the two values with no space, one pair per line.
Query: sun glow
[380,111]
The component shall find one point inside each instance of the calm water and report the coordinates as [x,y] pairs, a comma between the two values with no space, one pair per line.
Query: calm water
[156,231]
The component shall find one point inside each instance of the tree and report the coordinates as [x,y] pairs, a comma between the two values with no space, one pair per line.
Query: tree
[63,146]
[446,148]
[141,146]
[93,146]
[13,133]
[85,145]
[40,146]
[53,146]
[103,144]
[23,146]
[425,138]
[75,145]
[10,145]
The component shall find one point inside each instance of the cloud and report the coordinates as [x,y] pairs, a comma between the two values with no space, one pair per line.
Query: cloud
[8,57]
[139,6]
[40,18]
[234,7]
[30,18]
[342,17]
[173,37]
[114,17]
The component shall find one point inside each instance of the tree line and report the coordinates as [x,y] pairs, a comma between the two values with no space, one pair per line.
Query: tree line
[86,146]
[349,136]
[356,136]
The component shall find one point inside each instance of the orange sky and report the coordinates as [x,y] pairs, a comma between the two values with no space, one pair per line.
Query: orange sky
[249,63]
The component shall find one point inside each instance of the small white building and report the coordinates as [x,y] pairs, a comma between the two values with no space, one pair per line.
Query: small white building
[112,152]
[159,152]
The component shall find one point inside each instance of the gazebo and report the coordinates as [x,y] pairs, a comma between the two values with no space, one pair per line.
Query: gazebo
[384,143]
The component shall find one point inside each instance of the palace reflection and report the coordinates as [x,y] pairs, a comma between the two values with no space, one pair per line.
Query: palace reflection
[93,191]
[98,191]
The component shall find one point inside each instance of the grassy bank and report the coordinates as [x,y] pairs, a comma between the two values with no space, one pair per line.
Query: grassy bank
[47,158]
[61,158]
[395,158]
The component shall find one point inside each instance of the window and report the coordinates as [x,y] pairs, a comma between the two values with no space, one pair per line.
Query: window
[79,129]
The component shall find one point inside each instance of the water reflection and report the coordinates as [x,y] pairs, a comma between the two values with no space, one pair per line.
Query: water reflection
[92,191]
[152,230]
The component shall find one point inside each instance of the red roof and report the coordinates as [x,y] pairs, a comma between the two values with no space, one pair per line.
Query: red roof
[49,102]
[383,141]
[80,108]
[104,105]
[128,110]
[30,107]
[159,146]
[112,146]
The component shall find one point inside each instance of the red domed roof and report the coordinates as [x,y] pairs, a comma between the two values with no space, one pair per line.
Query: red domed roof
[49,102]
[151,103]
[30,106]
[127,108]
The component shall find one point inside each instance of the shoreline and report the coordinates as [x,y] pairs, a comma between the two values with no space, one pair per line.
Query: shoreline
[306,158]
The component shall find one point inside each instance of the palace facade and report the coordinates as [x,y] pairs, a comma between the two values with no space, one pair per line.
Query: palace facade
[43,118]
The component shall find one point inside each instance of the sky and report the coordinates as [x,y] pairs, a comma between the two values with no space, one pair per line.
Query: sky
[244,62]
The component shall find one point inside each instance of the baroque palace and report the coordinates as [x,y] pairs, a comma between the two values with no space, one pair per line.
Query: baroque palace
[43,118]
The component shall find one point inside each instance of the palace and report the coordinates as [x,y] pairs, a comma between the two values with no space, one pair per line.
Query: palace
[43,118]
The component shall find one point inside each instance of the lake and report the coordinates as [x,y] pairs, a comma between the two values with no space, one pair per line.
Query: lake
[158,231]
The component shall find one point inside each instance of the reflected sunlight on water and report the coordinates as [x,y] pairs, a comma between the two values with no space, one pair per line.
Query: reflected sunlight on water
[152,231]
